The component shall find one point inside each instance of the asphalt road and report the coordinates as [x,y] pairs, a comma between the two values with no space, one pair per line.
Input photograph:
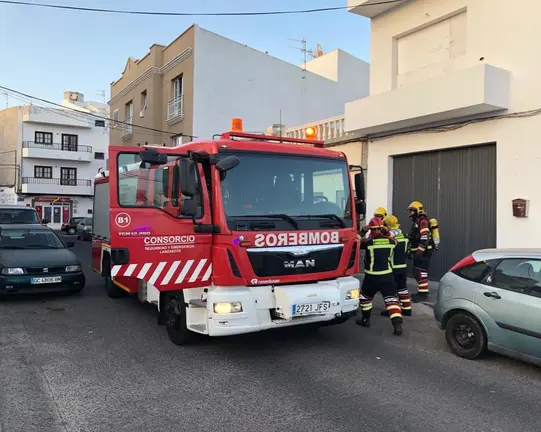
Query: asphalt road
[88,363]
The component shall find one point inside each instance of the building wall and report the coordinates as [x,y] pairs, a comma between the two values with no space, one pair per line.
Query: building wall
[153,74]
[10,130]
[233,80]
[518,160]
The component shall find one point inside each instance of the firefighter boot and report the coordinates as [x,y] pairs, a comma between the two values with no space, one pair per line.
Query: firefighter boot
[363,319]
[398,326]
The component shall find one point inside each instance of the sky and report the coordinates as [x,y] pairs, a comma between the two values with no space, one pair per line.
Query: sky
[47,51]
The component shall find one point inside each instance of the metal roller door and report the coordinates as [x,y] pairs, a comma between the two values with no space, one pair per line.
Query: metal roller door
[458,188]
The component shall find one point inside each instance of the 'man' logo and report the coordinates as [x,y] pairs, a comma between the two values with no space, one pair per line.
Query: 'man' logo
[300,263]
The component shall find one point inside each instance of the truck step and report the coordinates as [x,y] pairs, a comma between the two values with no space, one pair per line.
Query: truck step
[198,303]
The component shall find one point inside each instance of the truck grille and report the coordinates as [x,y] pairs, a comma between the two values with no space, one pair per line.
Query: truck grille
[286,261]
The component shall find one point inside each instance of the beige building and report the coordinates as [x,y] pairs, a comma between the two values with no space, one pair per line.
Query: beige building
[195,85]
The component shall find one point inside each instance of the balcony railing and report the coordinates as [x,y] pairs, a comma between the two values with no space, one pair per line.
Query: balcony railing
[58,146]
[175,109]
[328,130]
[56,181]
[127,129]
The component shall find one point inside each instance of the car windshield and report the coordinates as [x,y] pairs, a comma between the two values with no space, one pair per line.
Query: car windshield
[293,187]
[16,216]
[29,239]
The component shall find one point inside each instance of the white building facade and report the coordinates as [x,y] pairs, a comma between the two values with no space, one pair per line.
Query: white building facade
[451,118]
[58,152]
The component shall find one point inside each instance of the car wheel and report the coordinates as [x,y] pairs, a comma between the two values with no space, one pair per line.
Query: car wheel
[465,336]
[71,231]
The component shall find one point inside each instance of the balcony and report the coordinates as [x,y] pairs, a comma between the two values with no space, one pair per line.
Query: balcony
[330,130]
[481,90]
[78,153]
[175,110]
[127,128]
[56,186]
[371,8]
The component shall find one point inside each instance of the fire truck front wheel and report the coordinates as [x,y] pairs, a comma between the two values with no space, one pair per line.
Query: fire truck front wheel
[111,289]
[175,321]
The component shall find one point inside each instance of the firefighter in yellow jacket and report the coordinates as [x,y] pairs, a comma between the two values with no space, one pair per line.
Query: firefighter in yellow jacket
[378,275]
[399,264]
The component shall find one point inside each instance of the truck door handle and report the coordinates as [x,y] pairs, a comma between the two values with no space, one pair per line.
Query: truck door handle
[492,294]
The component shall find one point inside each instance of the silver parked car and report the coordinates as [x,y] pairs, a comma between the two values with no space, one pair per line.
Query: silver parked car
[492,300]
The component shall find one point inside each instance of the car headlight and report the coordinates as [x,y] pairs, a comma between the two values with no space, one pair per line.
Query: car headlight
[352,294]
[12,271]
[73,268]
[227,308]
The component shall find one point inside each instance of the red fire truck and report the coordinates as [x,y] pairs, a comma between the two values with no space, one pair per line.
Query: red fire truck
[238,234]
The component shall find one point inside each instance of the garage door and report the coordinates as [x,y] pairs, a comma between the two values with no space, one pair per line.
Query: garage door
[457,187]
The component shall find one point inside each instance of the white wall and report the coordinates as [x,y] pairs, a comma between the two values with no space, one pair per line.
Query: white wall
[233,80]
[505,35]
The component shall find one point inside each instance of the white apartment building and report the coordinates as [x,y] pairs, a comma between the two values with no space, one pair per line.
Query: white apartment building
[51,155]
[451,118]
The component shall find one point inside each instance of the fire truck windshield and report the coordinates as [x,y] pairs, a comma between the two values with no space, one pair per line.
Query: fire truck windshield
[289,190]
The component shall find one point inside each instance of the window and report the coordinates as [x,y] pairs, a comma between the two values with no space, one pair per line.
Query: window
[99,155]
[143,102]
[43,138]
[68,176]
[151,187]
[115,118]
[518,274]
[22,216]
[129,111]
[476,272]
[30,239]
[99,123]
[70,142]
[299,186]
[176,87]
[43,172]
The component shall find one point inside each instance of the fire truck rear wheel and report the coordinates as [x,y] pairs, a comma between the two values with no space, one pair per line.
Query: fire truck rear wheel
[111,289]
[175,321]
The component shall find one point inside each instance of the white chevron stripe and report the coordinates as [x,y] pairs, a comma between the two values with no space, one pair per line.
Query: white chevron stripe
[115,270]
[130,270]
[197,270]
[157,273]
[184,271]
[144,270]
[170,273]
[208,273]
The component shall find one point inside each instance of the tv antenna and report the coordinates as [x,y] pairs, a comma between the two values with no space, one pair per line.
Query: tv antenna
[102,94]
[305,51]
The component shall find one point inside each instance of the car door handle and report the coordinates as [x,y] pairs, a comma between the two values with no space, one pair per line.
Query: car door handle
[492,294]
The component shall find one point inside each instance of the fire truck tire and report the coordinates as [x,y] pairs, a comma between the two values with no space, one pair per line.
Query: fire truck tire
[111,289]
[175,321]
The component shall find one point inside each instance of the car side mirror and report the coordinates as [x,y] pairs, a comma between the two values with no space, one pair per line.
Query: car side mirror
[45,221]
[70,244]
[186,174]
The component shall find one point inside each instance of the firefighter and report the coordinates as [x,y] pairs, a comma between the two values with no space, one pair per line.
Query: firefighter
[378,276]
[380,213]
[421,248]
[399,264]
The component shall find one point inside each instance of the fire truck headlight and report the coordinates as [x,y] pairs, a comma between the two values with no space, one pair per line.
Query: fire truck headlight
[352,294]
[73,268]
[227,308]
[12,271]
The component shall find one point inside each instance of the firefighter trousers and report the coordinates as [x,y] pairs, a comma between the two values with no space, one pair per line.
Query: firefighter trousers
[386,285]
[421,264]
[401,279]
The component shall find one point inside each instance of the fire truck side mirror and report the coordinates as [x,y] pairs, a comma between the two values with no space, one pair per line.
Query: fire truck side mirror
[152,157]
[227,163]
[360,193]
[186,176]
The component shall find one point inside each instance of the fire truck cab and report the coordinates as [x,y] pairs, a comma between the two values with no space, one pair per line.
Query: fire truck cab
[233,235]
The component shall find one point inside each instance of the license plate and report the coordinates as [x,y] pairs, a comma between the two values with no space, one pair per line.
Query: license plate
[46,280]
[311,308]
